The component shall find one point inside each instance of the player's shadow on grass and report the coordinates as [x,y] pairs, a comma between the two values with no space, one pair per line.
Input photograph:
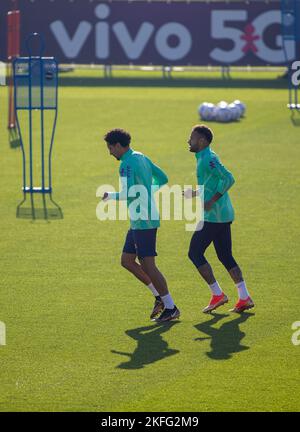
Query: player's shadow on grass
[39,206]
[150,346]
[225,340]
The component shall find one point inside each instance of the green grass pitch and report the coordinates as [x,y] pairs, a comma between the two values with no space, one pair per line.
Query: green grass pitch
[78,335]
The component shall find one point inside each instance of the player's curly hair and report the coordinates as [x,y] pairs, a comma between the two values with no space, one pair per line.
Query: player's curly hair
[118,135]
[205,131]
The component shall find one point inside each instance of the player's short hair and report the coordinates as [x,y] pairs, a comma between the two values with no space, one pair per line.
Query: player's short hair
[205,131]
[117,135]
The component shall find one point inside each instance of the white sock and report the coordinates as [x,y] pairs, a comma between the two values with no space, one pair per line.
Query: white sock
[168,301]
[242,290]
[152,288]
[216,289]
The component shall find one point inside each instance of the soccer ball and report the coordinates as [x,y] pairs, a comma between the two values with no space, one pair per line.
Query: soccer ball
[201,109]
[223,113]
[241,107]
[235,111]
[206,111]
[222,104]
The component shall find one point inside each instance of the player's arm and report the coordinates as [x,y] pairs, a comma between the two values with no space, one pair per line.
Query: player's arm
[159,177]
[225,180]
[127,180]
[191,193]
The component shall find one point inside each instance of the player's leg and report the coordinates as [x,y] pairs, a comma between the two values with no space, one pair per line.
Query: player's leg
[128,261]
[223,246]
[150,268]
[199,243]
[170,310]
[145,241]
[244,301]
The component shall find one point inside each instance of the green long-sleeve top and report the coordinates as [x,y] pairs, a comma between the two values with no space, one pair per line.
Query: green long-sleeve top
[140,178]
[215,178]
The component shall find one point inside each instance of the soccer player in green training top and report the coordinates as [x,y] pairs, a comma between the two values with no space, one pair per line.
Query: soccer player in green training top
[136,171]
[218,216]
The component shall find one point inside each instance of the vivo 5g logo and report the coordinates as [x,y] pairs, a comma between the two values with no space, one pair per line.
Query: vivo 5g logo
[223,25]
[249,40]
[133,47]
[296,74]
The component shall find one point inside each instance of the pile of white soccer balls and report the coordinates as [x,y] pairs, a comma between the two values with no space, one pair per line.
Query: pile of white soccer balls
[222,112]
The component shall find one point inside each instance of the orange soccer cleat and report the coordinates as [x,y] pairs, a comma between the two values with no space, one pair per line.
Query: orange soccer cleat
[243,305]
[215,302]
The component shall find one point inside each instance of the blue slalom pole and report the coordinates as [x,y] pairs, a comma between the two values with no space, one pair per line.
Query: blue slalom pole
[36,88]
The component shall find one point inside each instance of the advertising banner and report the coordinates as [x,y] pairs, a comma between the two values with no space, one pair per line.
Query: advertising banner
[158,33]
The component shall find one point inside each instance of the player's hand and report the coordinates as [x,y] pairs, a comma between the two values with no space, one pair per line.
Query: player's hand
[105,196]
[208,205]
[188,193]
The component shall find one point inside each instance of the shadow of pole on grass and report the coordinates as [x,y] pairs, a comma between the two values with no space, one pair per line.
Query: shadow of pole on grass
[39,206]
[295,117]
[14,138]
[150,346]
[225,340]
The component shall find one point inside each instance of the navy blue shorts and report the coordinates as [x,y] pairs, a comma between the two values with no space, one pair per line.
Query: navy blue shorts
[141,242]
[220,235]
